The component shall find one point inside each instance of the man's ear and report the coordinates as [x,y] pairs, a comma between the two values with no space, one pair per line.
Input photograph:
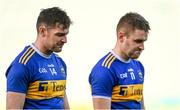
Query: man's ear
[121,36]
[42,30]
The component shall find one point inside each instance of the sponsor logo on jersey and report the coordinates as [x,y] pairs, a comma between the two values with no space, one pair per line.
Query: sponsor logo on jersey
[123,93]
[46,89]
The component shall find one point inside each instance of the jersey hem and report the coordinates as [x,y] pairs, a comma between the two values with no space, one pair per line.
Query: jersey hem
[104,97]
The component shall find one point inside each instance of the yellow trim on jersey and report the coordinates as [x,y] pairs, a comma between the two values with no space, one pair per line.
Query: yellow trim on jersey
[46,89]
[125,93]
[27,55]
[108,60]
[111,62]
[20,60]
[103,64]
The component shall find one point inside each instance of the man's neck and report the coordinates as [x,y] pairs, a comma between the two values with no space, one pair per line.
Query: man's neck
[117,50]
[39,45]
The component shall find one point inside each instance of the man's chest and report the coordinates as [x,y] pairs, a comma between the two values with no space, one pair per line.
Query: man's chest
[129,75]
[48,70]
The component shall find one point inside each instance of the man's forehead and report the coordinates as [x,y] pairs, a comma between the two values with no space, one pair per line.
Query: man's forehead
[139,35]
[61,27]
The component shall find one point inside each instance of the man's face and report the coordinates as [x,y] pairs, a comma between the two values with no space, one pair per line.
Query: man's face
[55,38]
[133,45]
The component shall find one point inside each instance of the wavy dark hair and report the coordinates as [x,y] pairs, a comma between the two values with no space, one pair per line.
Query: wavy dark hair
[52,16]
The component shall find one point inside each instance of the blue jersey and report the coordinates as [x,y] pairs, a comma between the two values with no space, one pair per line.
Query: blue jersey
[119,81]
[42,78]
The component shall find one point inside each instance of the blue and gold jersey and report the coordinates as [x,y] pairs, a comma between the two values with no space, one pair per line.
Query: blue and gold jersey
[120,81]
[42,78]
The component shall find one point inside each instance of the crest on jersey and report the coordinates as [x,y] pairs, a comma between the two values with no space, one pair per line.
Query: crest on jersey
[62,70]
[140,75]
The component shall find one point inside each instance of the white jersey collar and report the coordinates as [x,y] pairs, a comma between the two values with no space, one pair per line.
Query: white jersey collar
[119,57]
[39,52]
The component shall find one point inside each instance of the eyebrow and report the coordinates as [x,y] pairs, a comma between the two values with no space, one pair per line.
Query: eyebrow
[61,34]
[140,40]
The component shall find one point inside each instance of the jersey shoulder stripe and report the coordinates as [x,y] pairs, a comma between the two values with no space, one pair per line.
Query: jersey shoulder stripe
[108,60]
[26,55]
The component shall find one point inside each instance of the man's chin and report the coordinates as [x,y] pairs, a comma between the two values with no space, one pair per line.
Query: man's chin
[58,50]
[135,56]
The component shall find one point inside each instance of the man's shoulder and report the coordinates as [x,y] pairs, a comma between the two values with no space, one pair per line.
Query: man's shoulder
[17,63]
[25,56]
[106,62]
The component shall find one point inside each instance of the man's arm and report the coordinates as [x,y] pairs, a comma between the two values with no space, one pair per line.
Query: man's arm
[101,103]
[66,104]
[15,100]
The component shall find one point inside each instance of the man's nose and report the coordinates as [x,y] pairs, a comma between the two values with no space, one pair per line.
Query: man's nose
[64,39]
[141,46]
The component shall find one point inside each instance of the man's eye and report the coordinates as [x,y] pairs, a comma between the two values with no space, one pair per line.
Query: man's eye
[60,35]
[138,41]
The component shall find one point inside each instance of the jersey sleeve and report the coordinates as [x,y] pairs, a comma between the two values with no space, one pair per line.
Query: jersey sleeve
[102,81]
[17,78]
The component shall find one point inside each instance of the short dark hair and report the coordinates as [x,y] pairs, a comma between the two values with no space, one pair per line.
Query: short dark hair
[52,16]
[132,21]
